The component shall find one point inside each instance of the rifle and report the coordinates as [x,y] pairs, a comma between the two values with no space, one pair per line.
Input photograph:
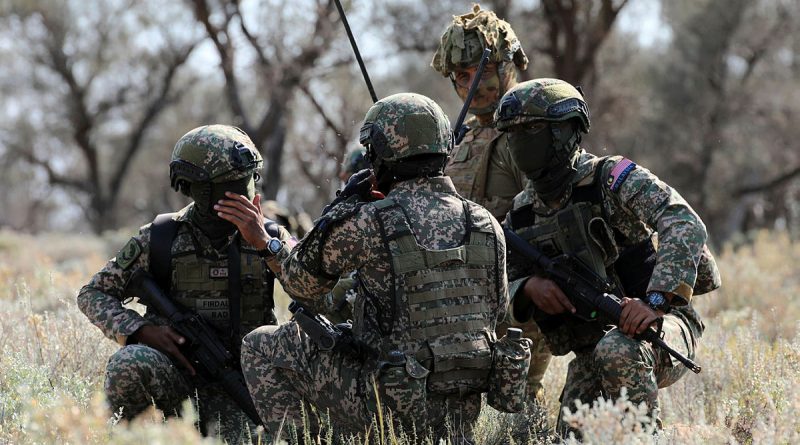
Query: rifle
[459,130]
[589,292]
[203,347]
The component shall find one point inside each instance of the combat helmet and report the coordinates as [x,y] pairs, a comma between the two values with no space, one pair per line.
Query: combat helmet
[464,40]
[355,160]
[548,158]
[213,154]
[406,135]
[549,100]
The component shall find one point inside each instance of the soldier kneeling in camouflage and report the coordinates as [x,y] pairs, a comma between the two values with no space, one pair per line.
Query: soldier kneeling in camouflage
[190,254]
[604,211]
[432,287]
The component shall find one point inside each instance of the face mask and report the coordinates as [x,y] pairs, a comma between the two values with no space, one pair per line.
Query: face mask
[535,153]
[532,149]
[205,195]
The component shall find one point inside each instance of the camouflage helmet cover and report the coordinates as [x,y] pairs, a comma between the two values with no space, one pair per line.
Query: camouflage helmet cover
[214,153]
[464,40]
[404,125]
[550,100]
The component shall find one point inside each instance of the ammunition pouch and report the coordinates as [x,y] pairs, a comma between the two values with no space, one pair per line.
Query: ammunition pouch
[399,387]
[507,380]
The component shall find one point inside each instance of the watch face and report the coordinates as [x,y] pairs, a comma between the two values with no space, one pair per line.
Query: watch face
[656,299]
[275,245]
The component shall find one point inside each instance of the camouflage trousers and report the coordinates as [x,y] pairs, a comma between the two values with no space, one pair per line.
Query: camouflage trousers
[540,357]
[287,373]
[618,361]
[138,376]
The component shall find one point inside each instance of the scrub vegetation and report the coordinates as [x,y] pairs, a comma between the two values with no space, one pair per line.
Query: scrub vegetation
[52,360]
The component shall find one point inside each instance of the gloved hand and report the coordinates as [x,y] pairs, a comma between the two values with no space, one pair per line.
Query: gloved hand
[360,183]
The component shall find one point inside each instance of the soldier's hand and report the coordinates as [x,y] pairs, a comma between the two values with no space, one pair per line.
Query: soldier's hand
[636,316]
[547,296]
[246,216]
[164,339]
[360,183]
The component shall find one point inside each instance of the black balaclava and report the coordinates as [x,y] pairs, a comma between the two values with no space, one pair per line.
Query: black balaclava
[547,154]
[206,195]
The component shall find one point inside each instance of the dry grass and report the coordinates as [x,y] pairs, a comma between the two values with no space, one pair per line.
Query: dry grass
[52,361]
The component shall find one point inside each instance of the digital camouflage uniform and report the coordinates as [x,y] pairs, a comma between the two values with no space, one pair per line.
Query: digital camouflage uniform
[137,375]
[481,166]
[428,298]
[627,206]
[339,301]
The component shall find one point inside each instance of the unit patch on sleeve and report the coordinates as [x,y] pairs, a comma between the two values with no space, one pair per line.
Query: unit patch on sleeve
[620,173]
[129,253]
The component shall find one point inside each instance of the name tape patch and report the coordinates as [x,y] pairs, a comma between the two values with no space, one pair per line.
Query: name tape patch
[218,272]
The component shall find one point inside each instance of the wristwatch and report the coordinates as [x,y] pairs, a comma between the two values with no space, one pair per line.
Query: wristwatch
[274,246]
[657,301]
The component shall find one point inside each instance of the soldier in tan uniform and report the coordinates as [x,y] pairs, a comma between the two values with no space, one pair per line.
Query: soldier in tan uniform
[481,166]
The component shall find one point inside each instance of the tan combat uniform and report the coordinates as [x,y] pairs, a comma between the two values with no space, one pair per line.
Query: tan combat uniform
[482,171]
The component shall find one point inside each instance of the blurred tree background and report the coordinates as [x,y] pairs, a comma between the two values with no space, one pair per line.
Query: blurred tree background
[705,93]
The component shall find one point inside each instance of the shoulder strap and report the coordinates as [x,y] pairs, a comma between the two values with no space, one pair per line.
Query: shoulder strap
[592,192]
[162,233]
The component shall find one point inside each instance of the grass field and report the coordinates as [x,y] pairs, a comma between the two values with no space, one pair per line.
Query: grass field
[52,361]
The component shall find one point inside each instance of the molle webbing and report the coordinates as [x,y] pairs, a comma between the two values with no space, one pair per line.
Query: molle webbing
[438,312]
[455,327]
[445,275]
[450,292]
[443,294]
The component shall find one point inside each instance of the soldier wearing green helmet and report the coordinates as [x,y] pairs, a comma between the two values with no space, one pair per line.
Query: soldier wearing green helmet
[189,253]
[431,288]
[621,222]
[481,166]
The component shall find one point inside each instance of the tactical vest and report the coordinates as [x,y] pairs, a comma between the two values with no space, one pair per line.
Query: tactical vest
[468,168]
[441,313]
[204,284]
[578,229]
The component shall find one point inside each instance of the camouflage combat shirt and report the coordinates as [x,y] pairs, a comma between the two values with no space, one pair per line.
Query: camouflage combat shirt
[483,171]
[101,300]
[637,204]
[349,237]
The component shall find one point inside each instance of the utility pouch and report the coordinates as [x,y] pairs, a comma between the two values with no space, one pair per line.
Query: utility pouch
[508,379]
[398,386]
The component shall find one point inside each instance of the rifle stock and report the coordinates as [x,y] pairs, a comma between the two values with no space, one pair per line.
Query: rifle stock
[584,288]
[203,348]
